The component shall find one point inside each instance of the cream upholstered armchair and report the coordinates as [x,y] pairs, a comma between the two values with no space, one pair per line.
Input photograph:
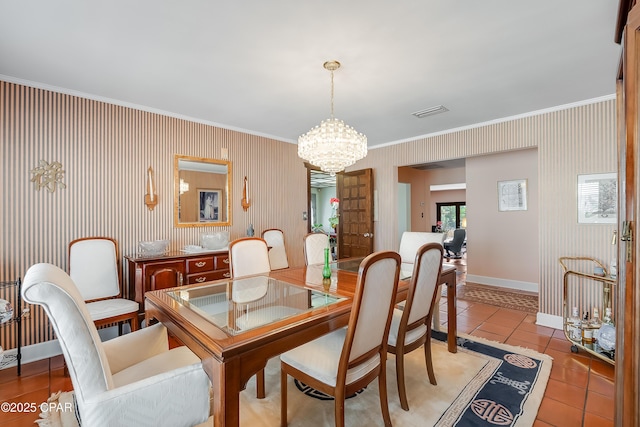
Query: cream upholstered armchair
[133,379]
[411,326]
[344,361]
[314,246]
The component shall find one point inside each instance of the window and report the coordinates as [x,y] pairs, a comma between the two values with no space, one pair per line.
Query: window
[451,214]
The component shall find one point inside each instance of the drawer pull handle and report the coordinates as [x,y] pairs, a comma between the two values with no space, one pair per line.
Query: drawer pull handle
[201,264]
[226,260]
[201,279]
[227,275]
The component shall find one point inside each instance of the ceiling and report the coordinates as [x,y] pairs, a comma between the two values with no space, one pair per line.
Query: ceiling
[256,65]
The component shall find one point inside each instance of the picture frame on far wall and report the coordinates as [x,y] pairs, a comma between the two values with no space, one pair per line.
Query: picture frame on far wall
[209,205]
[598,198]
[512,195]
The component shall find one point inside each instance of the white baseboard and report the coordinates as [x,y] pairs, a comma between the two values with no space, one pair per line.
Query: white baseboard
[550,320]
[47,349]
[503,283]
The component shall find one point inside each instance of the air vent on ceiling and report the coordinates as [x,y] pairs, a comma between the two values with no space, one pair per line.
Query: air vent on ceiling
[430,111]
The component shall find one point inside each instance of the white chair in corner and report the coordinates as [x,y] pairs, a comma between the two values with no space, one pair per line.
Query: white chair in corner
[94,267]
[411,326]
[344,361]
[130,380]
[314,246]
[277,250]
[410,242]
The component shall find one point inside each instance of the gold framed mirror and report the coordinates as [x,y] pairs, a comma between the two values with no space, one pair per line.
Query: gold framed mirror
[202,192]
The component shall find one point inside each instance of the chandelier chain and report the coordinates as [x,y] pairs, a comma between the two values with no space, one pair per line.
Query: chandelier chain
[332,94]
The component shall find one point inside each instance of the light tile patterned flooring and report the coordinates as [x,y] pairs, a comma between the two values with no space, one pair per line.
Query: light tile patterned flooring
[579,392]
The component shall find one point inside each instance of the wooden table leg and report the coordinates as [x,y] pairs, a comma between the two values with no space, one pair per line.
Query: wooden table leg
[452,324]
[226,392]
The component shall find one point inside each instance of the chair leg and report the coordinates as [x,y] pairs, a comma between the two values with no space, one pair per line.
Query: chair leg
[135,323]
[402,390]
[260,392]
[338,408]
[382,386]
[427,357]
[283,398]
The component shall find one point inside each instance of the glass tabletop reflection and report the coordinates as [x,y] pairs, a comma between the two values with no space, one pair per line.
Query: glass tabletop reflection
[239,305]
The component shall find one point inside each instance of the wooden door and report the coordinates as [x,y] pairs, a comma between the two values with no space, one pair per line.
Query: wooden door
[355,226]
[627,380]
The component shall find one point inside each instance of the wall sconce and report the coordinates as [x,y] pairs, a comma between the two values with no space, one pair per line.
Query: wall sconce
[245,195]
[184,186]
[151,198]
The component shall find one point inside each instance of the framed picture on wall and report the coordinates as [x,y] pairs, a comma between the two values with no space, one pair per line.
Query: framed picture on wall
[209,205]
[512,195]
[597,198]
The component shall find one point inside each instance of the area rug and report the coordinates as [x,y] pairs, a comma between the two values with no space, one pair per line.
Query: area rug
[501,297]
[483,384]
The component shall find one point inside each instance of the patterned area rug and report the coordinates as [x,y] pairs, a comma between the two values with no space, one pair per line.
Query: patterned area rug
[502,297]
[484,384]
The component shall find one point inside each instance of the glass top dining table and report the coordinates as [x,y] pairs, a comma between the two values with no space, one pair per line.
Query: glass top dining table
[236,325]
[237,306]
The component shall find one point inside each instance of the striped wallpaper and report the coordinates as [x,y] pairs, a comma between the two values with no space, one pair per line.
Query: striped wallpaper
[106,149]
[573,141]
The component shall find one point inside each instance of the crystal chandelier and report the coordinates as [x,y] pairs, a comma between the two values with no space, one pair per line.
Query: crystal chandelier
[332,145]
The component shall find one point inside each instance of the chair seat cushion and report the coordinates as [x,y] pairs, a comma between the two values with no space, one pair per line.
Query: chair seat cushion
[111,307]
[161,363]
[320,357]
[411,336]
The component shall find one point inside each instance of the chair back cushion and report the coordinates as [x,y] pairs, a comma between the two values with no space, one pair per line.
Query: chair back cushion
[424,282]
[93,267]
[314,246]
[277,251]
[248,256]
[49,286]
[411,241]
[372,304]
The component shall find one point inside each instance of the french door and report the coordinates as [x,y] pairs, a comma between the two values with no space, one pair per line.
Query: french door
[452,215]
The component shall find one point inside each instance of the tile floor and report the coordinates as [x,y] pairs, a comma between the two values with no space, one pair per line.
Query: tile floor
[579,393]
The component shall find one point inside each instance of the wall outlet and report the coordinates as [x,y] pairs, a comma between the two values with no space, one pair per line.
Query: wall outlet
[304,216]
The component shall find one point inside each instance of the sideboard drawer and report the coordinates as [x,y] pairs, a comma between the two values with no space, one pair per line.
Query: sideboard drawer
[221,261]
[198,265]
[207,276]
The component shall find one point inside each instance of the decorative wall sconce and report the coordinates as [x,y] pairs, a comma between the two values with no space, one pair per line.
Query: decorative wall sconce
[245,195]
[184,186]
[151,198]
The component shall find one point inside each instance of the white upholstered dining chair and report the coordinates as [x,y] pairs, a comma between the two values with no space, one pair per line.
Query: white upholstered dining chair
[249,256]
[410,242]
[411,326]
[94,267]
[314,246]
[133,379]
[277,250]
[344,361]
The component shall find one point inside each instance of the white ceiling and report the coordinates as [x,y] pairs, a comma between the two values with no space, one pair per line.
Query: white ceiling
[256,65]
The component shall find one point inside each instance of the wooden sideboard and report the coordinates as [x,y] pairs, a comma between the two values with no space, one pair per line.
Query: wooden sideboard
[150,273]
